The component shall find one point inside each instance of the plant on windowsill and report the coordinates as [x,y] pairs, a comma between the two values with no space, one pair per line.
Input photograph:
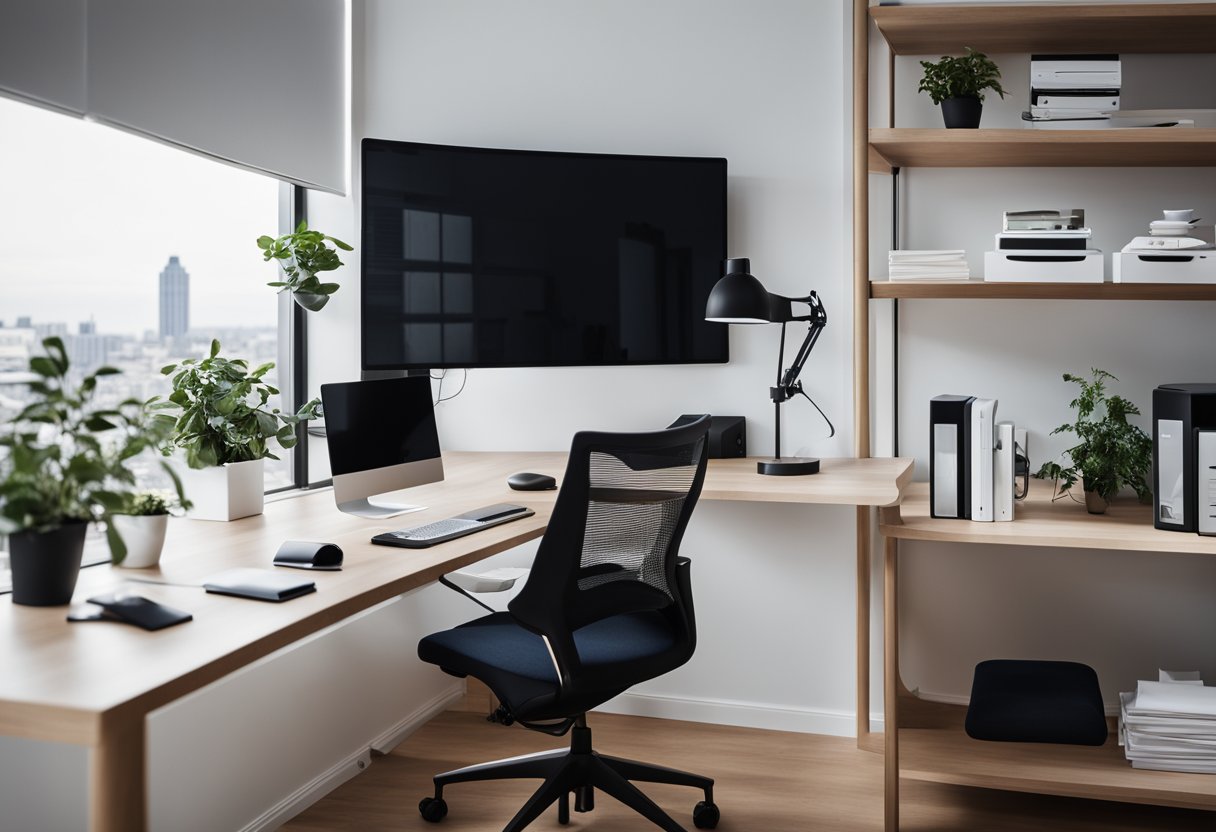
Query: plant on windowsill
[223,429]
[64,465]
[1112,452]
[958,84]
[302,255]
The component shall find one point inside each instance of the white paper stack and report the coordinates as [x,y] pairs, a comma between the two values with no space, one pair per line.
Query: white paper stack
[1170,725]
[928,265]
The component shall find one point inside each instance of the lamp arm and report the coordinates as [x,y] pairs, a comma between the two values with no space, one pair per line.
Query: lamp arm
[817,319]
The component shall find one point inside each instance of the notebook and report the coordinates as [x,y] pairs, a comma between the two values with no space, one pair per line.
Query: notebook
[261,584]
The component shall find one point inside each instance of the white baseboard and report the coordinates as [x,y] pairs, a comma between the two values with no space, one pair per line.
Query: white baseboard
[355,764]
[311,792]
[421,715]
[741,714]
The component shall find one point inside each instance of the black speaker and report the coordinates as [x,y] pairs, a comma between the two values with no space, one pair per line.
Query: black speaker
[727,434]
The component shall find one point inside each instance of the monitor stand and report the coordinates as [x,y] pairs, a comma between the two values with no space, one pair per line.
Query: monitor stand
[366,508]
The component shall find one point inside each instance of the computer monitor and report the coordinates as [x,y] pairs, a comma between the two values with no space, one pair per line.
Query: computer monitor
[382,437]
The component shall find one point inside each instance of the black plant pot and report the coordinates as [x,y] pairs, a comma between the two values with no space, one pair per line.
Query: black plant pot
[46,564]
[962,112]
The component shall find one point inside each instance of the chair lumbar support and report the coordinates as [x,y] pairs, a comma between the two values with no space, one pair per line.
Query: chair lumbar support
[579,770]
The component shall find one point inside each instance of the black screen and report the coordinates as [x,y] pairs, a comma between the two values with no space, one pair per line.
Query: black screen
[375,424]
[503,258]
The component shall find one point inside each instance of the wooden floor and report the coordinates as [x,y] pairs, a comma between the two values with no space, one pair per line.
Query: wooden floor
[766,781]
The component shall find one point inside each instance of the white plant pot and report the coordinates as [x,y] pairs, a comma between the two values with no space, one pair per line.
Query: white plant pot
[225,492]
[144,537]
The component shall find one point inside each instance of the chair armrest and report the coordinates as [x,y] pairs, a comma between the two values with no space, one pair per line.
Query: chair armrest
[492,580]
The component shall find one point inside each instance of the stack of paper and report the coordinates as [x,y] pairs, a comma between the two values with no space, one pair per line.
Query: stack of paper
[1170,725]
[928,265]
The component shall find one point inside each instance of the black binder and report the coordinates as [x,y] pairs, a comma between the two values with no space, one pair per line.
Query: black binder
[950,456]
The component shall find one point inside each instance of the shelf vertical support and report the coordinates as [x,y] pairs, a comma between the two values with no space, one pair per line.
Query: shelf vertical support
[861,343]
[890,686]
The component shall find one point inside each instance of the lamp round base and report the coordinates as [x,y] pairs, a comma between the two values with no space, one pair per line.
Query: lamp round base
[794,466]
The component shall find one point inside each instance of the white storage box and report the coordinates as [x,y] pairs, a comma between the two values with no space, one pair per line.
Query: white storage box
[1043,266]
[1174,267]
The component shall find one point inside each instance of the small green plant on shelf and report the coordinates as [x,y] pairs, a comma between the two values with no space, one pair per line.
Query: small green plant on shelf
[1111,452]
[223,413]
[958,84]
[302,255]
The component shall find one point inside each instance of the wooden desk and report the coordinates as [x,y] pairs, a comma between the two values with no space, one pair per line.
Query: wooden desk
[94,684]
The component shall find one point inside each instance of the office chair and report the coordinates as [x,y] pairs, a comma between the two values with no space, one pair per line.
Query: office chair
[608,604]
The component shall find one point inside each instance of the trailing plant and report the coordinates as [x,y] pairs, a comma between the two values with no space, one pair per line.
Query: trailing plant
[1111,452]
[303,255]
[223,413]
[960,77]
[65,460]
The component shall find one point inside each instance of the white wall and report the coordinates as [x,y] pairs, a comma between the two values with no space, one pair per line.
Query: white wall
[1124,614]
[761,84]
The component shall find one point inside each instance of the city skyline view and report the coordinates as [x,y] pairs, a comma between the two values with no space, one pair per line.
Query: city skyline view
[94,214]
[135,253]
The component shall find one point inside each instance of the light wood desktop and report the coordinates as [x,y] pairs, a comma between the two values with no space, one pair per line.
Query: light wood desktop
[93,684]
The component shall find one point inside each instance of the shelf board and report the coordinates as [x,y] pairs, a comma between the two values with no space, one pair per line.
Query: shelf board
[1091,28]
[947,755]
[1038,521]
[1022,147]
[978,289]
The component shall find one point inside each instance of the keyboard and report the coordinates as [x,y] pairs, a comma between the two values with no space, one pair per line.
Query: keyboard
[429,534]
[439,528]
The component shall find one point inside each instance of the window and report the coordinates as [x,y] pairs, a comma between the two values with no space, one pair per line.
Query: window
[135,253]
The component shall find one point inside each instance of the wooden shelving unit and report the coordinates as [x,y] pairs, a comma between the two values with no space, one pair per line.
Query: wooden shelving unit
[980,290]
[1127,525]
[929,743]
[948,755]
[1004,148]
[1091,28]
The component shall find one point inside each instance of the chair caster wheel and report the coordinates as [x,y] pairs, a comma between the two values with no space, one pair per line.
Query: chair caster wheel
[705,815]
[433,809]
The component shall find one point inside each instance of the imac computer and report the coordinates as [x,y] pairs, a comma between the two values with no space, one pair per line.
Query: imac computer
[382,437]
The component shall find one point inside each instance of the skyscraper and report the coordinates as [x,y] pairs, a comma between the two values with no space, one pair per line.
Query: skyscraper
[174,300]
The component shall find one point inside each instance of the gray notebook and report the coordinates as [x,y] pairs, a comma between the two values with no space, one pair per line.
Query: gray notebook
[261,584]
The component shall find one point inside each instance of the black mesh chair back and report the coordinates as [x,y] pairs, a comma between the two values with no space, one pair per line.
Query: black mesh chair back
[613,541]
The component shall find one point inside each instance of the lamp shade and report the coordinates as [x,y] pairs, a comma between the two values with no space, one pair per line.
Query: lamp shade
[738,297]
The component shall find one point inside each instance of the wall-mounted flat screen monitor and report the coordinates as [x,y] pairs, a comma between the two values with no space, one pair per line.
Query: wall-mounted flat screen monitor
[505,258]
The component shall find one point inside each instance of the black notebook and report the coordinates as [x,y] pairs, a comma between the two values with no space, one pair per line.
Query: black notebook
[129,609]
[261,584]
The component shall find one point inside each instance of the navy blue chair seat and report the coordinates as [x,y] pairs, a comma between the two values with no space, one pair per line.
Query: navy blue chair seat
[515,664]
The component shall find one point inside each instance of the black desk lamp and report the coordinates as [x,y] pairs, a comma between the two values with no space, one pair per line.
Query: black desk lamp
[739,298]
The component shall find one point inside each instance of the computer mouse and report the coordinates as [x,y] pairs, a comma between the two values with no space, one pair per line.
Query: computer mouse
[526,481]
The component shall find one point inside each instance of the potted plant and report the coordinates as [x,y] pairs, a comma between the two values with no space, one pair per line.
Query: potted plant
[302,255]
[223,428]
[141,525]
[958,84]
[1111,452]
[57,477]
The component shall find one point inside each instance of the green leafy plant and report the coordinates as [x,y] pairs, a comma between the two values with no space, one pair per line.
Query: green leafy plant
[963,77]
[65,460]
[222,412]
[150,504]
[1111,452]
[303,255]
